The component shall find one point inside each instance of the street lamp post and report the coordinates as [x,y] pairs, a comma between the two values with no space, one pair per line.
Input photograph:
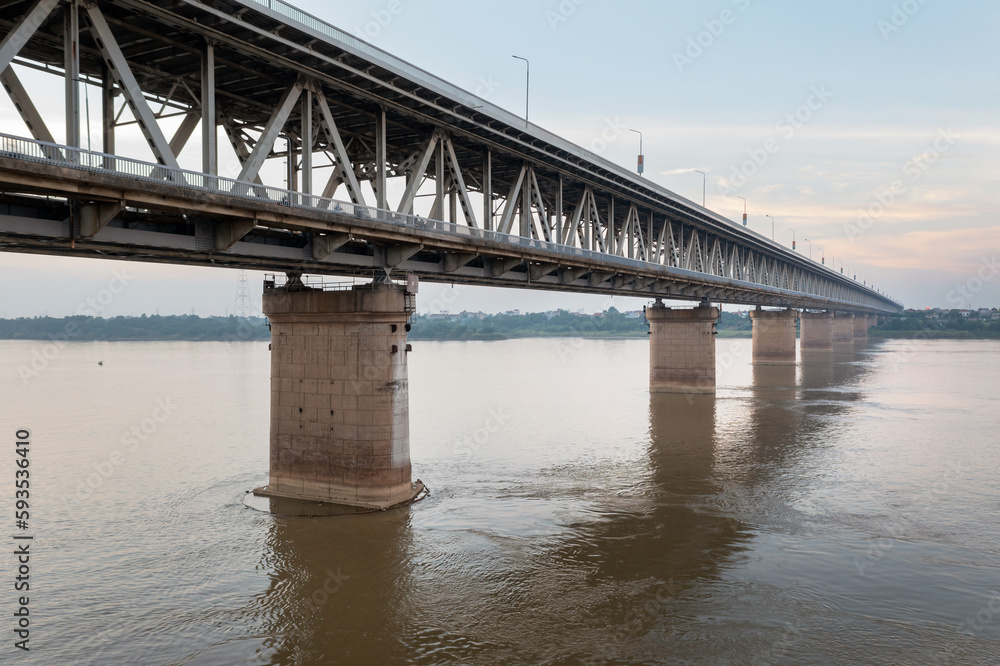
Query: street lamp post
[772,225]
[793,238]
[642,159]
[704,186]
[810,248]
[822,254]
[744,211]
[527,88]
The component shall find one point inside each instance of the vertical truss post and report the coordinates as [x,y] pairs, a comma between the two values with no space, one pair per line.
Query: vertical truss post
[559,228]
[381,160]
[307,141]
[209,129]
[526,221]
[107,111]
[650,239]
[488,190]
[452,201]
[292,184]
[437,211]
[611,243]
[71,54]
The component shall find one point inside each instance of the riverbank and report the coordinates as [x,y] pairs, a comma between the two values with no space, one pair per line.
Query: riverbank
[136,329]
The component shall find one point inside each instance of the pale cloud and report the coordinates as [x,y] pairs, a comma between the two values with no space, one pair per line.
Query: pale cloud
[951,250]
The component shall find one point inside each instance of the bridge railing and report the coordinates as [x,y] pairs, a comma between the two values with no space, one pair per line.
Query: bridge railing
[95,162]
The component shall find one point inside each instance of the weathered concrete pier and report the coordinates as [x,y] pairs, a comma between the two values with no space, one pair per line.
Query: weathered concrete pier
[340,395]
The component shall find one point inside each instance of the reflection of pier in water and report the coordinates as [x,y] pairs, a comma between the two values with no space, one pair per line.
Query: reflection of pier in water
[624,583]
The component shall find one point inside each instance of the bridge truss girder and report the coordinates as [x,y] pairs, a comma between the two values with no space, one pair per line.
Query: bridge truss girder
[259,76]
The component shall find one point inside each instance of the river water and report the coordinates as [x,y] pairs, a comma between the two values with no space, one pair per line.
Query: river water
[841,511]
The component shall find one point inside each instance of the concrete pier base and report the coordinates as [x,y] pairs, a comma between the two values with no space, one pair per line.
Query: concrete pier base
[843,332]
[773,336]
[816,332]
[861,328]
[339,396]
[681,349]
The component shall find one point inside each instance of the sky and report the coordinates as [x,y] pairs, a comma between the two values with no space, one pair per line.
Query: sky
[869,128]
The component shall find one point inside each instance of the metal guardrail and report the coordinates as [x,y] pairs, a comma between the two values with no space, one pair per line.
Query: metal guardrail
[31,150]
[94,162]
[322,283]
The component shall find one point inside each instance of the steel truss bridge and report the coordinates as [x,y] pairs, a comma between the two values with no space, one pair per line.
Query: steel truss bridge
[510,204]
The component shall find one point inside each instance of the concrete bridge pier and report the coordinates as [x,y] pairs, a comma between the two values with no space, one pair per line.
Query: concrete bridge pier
[339,396]
[681,349]
[861,328]
[817,331]
[843,331]
[773,336]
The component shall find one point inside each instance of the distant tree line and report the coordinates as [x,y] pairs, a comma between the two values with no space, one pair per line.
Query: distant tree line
[610,324]
[156,328]
[944,325]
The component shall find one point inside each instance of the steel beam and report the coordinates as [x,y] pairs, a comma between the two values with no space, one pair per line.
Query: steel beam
[453,261]
[120,70]
[416,176]
[209,116]
[184,132]
[251,169]
[22,102]
[94,217]
[228,234]
[510,207]
[71,59]
[308,142]
[24,30]
[381,160]
[488,190]
[324,246]
[459,183]
[107,111]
